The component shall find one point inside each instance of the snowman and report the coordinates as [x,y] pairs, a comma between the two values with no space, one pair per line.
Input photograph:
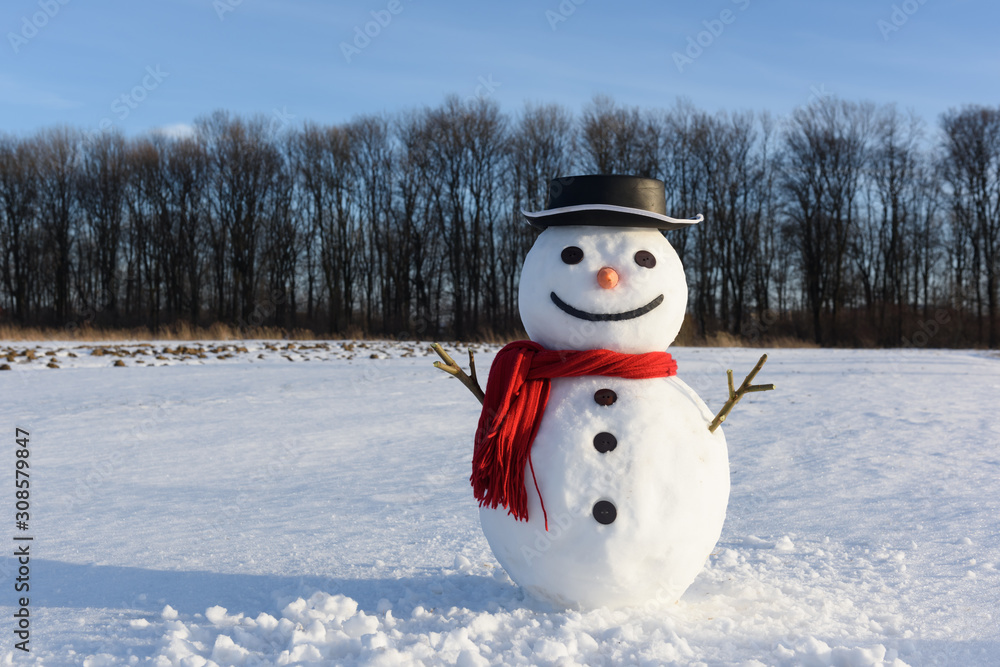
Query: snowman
[599,480]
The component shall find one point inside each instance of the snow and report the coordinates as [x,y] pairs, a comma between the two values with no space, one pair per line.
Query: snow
[268,509]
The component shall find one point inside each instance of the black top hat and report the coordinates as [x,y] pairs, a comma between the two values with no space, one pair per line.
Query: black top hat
[608,201]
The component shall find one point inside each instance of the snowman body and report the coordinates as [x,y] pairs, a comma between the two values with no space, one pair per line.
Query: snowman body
[634,485]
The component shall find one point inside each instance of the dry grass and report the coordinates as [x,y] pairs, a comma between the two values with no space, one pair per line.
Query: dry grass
[726,339]
[491,337]
[223,332]
[688,337]
[183,331]
[177,332]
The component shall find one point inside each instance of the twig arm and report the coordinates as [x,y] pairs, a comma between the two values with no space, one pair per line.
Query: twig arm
[736,395]
[451,367]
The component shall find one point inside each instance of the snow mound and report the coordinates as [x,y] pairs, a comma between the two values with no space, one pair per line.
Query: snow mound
[460,616]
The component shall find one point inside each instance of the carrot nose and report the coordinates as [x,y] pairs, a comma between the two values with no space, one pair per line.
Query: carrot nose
[607,277]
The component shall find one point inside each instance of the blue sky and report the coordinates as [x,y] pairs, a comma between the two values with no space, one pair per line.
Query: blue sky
[142,65]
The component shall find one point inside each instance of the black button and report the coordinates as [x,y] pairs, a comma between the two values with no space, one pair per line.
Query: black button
[605,512]
[572,255]
[605,442]
[605,397]
[645,258]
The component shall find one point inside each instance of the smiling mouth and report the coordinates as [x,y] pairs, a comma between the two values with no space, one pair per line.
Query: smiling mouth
[605,317]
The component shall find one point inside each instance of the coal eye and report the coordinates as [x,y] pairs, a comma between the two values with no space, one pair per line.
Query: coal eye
[645,259]
[572,255]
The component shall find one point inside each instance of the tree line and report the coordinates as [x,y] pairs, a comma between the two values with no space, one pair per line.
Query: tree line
[845,223]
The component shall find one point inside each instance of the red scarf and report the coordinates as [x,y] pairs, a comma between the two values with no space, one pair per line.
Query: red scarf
[516,394]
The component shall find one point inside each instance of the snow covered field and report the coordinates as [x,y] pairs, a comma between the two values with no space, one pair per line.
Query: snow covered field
[282,506]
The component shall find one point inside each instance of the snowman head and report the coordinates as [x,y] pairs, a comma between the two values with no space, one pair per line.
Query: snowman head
[586,287]
[601,274]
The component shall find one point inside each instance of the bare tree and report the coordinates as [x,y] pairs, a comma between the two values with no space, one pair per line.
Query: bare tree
[844,220]
[282,240]
[57,159]
[101,193]
[418,217]
[324,156]
[186,168]
[540,150]
[882,242]
[613,139]
[736,177]
[245,167]
[826,148]
[972,173]
[19,246]
[371,181]
[468,149]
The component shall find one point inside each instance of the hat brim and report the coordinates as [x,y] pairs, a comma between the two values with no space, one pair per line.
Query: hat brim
[606,215]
